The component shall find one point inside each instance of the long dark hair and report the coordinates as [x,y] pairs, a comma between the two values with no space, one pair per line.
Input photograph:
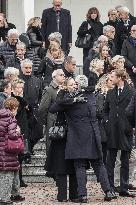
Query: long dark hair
[91,11]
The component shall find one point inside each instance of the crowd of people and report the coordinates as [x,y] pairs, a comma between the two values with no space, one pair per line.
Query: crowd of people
[39,89]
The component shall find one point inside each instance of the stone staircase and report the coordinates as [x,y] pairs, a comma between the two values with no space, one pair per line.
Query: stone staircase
[35,172]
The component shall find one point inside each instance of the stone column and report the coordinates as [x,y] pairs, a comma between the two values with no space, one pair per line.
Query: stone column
[134,7]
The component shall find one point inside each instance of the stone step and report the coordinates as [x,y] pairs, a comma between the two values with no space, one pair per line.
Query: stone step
[37,179]
[40,145]
[38,159]
[33,170]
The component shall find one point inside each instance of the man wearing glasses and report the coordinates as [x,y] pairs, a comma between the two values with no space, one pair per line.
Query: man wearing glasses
[57,19]
[129,53]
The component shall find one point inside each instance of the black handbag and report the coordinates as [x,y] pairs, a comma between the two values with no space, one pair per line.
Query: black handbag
[57,132]
[83,42]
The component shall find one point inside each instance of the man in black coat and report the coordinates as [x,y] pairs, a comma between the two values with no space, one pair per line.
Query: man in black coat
[123,27]
[129,53]
[57,19]
[69,67]
[119,129]
[32,94]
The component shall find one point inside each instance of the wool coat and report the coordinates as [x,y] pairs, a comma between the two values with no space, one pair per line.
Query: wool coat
[83,137]
[49,25]
[118,127]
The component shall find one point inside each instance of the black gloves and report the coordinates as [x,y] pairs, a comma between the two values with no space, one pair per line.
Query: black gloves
[80,98]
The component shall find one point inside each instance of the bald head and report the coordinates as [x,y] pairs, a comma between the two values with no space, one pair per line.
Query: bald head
[57,4]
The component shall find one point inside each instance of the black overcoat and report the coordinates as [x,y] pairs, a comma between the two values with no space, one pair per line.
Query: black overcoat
[118,127]
[49,25]
[83,137]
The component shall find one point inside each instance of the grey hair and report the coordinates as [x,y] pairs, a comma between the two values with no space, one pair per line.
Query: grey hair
[56,72]
[82,81]
[21,44]
[13,31]
[11,71]
[26,61]
[107,28]
[57,36]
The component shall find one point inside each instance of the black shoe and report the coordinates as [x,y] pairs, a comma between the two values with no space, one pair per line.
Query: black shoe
[127,194]
[62,200]
[6,203]
[82,199]
[17,198]
[131,187]
[109,196]
[23,184]
[117,189]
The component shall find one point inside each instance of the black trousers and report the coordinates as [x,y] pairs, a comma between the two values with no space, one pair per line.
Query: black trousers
[124,169]
[104,151]
[61,182]
[99,170]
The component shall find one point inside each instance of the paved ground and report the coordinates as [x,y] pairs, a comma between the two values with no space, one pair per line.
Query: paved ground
[45,194]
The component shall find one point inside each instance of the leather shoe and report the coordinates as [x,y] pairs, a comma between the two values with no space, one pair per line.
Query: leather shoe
[23,184]
[126,194]
[17,198]
[131,187]
[109,196]
[62,200]
[82,199]
[6,203]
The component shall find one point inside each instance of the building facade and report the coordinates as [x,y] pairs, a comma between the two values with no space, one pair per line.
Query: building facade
[20,11]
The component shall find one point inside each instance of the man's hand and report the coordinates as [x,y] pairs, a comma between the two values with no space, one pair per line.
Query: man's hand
[134,69]
[80,98]
[70,45]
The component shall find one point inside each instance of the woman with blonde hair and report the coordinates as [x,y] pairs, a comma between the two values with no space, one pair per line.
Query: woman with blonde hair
[36,41]
[53,60]
[104,84]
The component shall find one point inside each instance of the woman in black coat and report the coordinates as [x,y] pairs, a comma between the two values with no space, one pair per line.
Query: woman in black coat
[92,26]
[54,60]
[83,138]
[36,41]
[56,166]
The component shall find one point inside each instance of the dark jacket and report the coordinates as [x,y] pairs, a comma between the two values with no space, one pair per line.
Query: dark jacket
[21,116]
[119,128]
[129,53]
[32,90]
[49,25]
[55,163]
[83,138]
[100,102]
[123,32]
[8,125]
[68,74]
[7,50]
[46,69]
[36,40]
[96,30]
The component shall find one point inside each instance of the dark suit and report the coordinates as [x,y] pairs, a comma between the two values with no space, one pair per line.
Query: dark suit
[119,134]
[49,25]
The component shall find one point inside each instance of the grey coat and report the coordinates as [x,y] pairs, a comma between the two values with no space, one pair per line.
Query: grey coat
[47,118]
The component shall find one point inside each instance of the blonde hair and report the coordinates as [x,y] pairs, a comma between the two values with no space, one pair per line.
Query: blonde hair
[16,82]
[33,20]
[102,84]
[94,65]
[53,47]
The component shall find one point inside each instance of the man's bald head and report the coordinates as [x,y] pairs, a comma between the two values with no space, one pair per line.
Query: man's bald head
[57,4]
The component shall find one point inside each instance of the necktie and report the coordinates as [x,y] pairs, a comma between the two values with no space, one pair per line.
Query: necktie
[119,91]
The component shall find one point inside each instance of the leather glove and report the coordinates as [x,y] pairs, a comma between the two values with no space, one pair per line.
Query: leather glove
[80,98]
